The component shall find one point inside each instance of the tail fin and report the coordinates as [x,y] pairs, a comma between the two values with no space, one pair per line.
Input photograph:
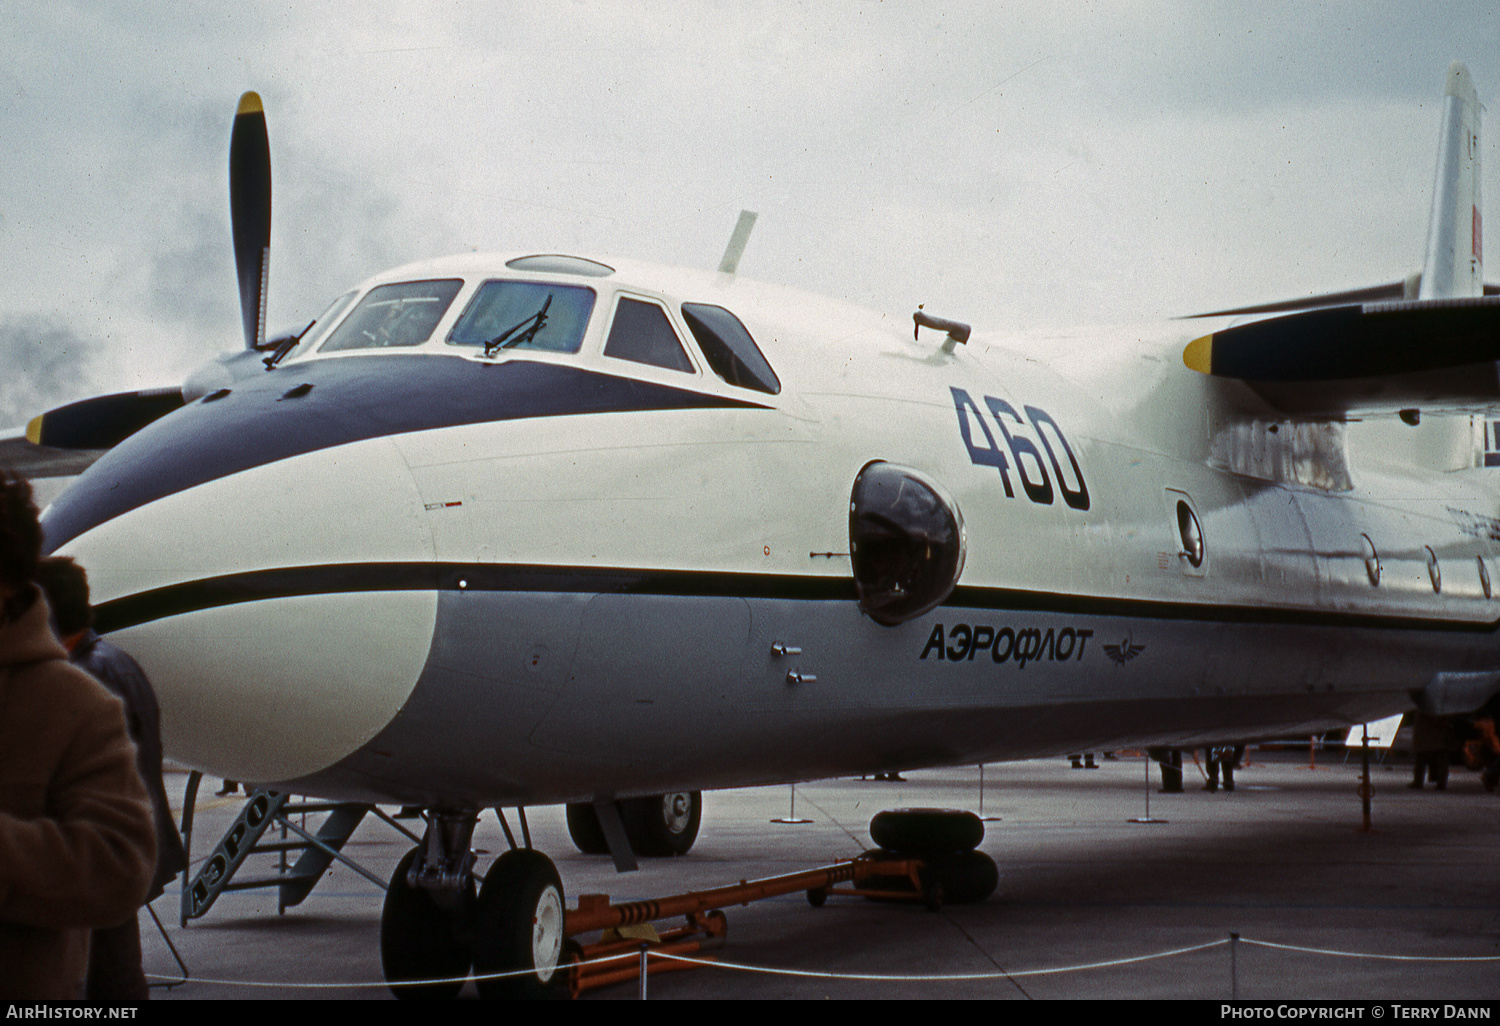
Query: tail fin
[1454,264]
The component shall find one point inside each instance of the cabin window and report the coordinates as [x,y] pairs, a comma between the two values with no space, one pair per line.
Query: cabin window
[729,349]
[1190,534]
[525,315]
[1372,561]
[397,315]
[642,333]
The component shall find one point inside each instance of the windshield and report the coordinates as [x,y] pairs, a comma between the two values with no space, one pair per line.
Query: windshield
[395,315]
[525,315]
[320,326]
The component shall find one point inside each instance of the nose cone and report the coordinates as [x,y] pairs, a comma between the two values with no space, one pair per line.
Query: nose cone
[282,605]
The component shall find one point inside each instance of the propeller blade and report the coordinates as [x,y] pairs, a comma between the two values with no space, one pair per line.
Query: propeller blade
[250,213]
[103,421]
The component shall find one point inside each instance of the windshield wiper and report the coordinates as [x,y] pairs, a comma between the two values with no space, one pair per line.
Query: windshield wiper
[281,346]
[524,331]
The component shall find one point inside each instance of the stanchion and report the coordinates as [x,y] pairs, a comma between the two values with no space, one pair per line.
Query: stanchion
[1234,966]
[1364,780]
[791,816]
[982,816]
[1147,818]
[645,951]
[169,984]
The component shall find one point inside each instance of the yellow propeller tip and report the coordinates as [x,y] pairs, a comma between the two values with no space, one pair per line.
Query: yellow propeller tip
[1199,354]
[34,430]
[250,104]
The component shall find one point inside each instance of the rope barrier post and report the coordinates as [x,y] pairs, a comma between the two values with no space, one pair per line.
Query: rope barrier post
[791,816]
[1364,779]
[1147,818]
[644,948]
[1148,780]
[982,816]
[170,947]
[1234,966]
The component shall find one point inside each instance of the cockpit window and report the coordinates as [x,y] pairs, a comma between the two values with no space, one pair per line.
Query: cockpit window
[642,333]
[729,349]
[525,315]
[320,326]
[395,315]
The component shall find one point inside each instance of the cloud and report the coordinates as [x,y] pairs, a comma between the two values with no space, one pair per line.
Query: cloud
[46,365]
[1035,160]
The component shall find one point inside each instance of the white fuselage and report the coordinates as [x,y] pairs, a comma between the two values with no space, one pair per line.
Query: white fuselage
[540,576]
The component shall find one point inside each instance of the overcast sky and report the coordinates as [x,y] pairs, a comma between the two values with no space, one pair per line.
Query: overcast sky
[1008,164]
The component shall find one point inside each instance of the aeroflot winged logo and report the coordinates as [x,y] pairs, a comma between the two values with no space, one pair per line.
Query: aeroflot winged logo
[1124,651]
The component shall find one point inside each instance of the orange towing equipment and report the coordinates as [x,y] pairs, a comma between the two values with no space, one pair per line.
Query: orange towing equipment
[898,879]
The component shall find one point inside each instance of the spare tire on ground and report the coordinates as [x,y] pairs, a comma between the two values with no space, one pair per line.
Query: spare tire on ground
[927,832]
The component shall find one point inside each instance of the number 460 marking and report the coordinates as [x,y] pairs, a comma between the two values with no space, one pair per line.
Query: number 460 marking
[1030,466]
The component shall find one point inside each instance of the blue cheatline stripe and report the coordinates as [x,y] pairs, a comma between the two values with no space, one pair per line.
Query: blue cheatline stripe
[346,578]
[311,406]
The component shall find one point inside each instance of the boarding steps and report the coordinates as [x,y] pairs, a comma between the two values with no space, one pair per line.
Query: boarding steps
[277,814]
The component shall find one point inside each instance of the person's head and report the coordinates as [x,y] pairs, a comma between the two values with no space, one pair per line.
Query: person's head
[20,537]
[67,589]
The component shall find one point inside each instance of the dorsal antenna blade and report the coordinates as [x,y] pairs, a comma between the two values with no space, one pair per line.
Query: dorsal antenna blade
[736,248]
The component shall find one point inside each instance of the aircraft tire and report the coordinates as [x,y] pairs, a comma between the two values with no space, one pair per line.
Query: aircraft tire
[422,940]
[663,825]
[518,924]
[959,878]
[967,877]
[926,833]
[584,829]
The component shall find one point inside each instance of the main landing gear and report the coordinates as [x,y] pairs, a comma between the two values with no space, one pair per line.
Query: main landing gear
[659,826]
[435,927]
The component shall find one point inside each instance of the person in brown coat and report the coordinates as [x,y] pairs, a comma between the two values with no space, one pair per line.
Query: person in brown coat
[115,972]
[77,848]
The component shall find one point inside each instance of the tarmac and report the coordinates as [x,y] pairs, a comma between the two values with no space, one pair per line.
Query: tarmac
[1092,902]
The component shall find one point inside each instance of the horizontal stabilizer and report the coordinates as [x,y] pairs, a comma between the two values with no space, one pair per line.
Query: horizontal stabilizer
[104,421]
[1369,356]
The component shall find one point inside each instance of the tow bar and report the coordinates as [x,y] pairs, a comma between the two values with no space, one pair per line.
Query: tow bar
[627,926]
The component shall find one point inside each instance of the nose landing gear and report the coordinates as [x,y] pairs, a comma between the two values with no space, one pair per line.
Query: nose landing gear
[519,926]
[427,924]
[434,928]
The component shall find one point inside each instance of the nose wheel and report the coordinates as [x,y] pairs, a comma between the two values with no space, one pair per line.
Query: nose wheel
[434,928]
[425,937]
[518,928]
